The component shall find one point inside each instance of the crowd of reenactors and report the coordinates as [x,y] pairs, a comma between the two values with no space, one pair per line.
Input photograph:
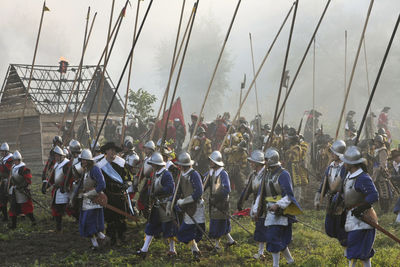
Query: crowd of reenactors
[166,183]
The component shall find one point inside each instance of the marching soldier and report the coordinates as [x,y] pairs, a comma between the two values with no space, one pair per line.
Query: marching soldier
[257,163]
[145,174]
[190,200]
[380,174]
[5,170]
[160,219]
[60,198]
[48,168]
[91,219]
[331,186]
[72,176]
[20,200]
[359,195]
[201,149]
[113,169]
[395,177]
[217,179]
[279,204]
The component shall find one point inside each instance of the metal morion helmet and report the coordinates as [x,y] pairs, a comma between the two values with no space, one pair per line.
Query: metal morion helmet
[17,155]
[272,157]
[338,147]
[352,156]
[184,159]
[57,139]
[150,145]
[379,138]
[257,156]
[4,147]
[75,146]
[382,131]
[132,160]
[96,146]
[58,151]
[216,157]
[157,159]
[86,155]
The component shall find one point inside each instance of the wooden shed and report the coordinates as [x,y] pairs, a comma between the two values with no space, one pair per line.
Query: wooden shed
[46,102]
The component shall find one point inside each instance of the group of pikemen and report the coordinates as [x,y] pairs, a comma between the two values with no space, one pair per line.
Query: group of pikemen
[171,188]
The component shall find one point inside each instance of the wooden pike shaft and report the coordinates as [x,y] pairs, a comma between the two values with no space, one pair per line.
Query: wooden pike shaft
[258,72]
[369,221]
[214,73]
[377,80]
[79,70]
[30,76]
[195,7]
[354,67]
[283,75]
[129,76]
[123,71]
[303,59]
[254,73]
[164,100]
[100,97]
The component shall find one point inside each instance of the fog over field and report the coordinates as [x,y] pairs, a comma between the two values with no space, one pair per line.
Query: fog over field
[63,30]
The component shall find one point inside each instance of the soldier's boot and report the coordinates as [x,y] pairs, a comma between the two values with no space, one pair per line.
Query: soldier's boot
[58,223]
[13,224]
[5,214]
[32,218]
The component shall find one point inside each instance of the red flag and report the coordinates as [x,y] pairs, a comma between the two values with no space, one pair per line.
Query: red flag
[245,212]
[176,112]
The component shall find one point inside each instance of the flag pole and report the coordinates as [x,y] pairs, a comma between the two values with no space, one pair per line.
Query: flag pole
[21,122]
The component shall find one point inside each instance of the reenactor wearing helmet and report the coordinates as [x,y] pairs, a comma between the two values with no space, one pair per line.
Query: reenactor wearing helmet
[257,163]
[382,132]
[91,219]
[201,149]
[73,175]
[132,168]
[68,133]
[235,152]
[359,194]
[295,163]
[276,202]
[6,162]
[48,168]
[380,174]
[60,198]
[331,188]
[190,201]
[217,179]
[160,219]
[113,169]
[20,195]
[145,174]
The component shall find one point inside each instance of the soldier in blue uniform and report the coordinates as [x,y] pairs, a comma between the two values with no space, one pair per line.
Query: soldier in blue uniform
[359,195]
[217,179]
[160,220]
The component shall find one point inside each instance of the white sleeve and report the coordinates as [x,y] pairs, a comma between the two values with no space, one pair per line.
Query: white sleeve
[283,203]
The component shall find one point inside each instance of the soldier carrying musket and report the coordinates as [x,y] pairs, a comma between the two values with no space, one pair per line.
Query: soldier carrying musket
[6,163]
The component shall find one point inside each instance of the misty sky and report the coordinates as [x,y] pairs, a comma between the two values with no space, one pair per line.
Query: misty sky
[63,29]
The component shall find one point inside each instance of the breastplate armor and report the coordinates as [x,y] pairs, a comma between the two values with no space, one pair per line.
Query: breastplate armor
[147,169]
[17,179]
[351,196]
[58,175]
[273,182]
[215,184]
[256,182]
[88,182]
[334,178]
[186,186]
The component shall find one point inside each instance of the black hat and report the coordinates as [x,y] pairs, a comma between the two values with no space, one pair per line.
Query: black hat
[109,145]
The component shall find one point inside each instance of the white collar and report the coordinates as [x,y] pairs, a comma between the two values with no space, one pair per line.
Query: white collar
[336,166]
[19,165]
[168,164]
[354,174]
[119,161]
[160,171]
[61,164]
[7,157]
[217,172]
[187,172]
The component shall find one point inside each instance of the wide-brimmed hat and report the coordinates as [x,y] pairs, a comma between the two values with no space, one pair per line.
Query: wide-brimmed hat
[110,145]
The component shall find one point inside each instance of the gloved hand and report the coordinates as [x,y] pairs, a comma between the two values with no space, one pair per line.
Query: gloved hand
[358,212]
[126,185]
[44,187]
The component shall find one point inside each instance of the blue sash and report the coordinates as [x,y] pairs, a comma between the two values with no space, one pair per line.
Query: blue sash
[113,174]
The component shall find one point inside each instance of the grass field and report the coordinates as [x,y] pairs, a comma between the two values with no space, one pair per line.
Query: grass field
[41,246]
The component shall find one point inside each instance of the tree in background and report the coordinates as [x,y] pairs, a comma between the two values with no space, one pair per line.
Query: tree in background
[201,57]
[141,103]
